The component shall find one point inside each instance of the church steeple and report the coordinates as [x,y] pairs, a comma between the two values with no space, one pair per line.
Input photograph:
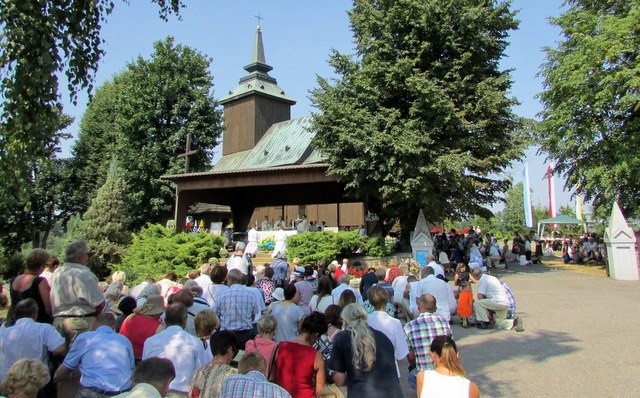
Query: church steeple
[257,59]
[254,105]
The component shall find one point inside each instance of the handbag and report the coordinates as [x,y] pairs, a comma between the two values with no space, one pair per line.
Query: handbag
[272,365]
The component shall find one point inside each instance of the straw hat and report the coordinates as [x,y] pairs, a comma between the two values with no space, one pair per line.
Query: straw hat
[153,306]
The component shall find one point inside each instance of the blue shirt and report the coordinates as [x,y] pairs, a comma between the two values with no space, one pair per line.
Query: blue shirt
[105,358]
[237,308]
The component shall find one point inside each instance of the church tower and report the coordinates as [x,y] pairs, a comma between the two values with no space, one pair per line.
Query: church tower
[254,105]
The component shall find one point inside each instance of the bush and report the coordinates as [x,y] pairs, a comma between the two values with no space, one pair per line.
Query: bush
[11,265]
[157,250]
[312,247]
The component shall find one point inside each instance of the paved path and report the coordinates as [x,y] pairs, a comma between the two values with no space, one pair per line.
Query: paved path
[581,339]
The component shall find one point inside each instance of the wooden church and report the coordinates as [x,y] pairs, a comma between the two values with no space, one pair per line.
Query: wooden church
[269,166]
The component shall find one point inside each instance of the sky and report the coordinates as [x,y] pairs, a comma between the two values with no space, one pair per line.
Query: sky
[298,37]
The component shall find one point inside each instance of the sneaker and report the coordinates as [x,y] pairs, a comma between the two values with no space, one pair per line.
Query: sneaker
[465,323]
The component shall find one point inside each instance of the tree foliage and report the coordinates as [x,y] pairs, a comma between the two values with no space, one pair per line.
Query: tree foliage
[312,247]
[41,40]
[157,250]
[107,217]
[107,222]
[513,213]
[143,116]
[420,114]
[591,116]
[30,214]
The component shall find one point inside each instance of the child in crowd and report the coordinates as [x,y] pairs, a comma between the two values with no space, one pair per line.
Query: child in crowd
[465,303]
[462,275]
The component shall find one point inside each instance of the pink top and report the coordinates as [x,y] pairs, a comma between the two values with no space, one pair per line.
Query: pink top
[263,347]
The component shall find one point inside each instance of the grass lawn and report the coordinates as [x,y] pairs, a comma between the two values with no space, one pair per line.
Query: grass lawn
[591,269]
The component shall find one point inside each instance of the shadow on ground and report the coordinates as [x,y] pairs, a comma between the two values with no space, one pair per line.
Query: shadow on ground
[519,349]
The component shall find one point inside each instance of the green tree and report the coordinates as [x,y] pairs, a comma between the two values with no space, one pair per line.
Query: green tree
[143,116]
[29,215]
[39,42]
[513,213]
[421,114]
[591,116]
[157,250]
[107,222]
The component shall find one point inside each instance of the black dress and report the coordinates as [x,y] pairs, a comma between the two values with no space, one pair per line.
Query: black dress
[32,292]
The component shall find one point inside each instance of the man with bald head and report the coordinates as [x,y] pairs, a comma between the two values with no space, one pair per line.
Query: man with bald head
[421,332]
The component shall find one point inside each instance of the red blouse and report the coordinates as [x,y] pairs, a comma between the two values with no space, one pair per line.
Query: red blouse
[138,328]
[295,372]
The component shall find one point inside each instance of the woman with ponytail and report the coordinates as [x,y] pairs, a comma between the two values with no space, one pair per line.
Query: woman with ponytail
[363,358]
[447,380]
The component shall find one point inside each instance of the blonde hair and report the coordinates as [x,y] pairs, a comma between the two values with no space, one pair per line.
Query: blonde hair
[119,276]
[267,324]
[363,343]
[25,377]
[206,322]
[378,297]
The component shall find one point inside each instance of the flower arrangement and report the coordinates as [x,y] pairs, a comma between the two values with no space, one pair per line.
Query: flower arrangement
[267,244]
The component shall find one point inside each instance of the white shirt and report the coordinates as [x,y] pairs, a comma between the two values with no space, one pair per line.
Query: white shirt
[303,226]
[325,302]
[437,268]
[399,285]
[238,262]
[216,291]
[204,281]
[445,300]
[27,339]
[137,289]
[252,238]
[185,351]
[265,225]
[492,289]
[392,328]
[335,293]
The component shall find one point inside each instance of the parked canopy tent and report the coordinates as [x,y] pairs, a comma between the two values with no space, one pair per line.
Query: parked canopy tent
[561,219]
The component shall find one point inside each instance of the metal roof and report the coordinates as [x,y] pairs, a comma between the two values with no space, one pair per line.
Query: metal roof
[285,143]
[215,171]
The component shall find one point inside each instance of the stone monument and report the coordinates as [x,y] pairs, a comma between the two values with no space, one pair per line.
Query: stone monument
[421,242]
[621,247]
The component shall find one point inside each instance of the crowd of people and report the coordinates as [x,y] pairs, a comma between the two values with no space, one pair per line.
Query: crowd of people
[239,330]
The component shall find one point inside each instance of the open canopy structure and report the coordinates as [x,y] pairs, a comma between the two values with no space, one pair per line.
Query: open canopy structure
[561,219]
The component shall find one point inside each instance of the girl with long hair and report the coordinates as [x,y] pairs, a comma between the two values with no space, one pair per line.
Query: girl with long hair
[448,379]
[323,299]
[363,358]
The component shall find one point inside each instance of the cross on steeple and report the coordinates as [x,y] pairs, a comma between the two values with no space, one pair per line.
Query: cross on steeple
[187,152]
[259,18]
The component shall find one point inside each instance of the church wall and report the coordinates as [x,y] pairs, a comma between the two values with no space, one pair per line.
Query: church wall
[239,119]
[351,214]
[269,111]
